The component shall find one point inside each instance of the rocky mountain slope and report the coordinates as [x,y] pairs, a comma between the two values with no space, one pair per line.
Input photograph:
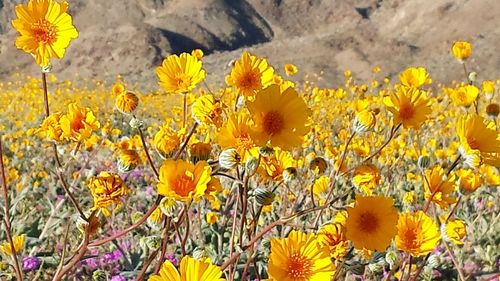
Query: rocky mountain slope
[132,37]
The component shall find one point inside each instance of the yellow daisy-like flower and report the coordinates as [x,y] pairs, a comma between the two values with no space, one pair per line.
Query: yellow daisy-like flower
[491,175]
[250,74]
[190,269]
[211,218]
[464,95]
[279,117]
[117,88]
[79,123]
[180,74]
[127,102]
[290,69]
[208,110]
[51,128]
[365,120]
[333,237]
[197,53]
[299,257]
[107,189]
[273,166]
[417,235]
[166,141]
[470,180]
[438,189]
[409,106]
[414,77]
[45,29]
[128,159]
[182,180]
[235,133]
[461,50]
[455,231]
[371,223]
[479,140]
[367,177]
[320,185]
[18,245]
[488,86]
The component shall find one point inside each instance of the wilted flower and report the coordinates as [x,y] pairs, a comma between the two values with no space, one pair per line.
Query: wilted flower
[127,102]
[367,177]
[333,236]
[166,141]
[455,231]
[79,123]
[107,189]
[364,121]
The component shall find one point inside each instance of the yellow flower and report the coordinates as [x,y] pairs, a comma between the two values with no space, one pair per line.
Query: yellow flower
[127,102]
[367,177]
[208,110]
[414,77]
[333,236]
[469,180]
[491,175]
[438,189]
[320,185]
[107,189]
[479,140]
[417,235]
[117,88]
[200,151]
[364,121]
[182,180]
[197,53]
[279,117]
[211,218]
[45,29]
[371,223]
[488,86]
[51,128]
[166,141]
[273,166]
[236,134]
[464,95]
[455,231]
[128,159]
[299,257]
[190,269]
[79,123]
[250,74]
[409,106]
[156,218]
[461,50]
[18,245]
[180,74]
[290,69]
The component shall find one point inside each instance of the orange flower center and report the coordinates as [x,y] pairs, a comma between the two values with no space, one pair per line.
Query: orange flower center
[368,222]
[410,238]
[44,31]
[182,80]
[183,185]
[272,123]
[244,141]
[406,112]
[249,80]
[299,267]
[473,143]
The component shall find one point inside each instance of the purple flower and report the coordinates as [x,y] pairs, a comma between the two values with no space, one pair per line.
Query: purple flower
[30,263]
[118,278]
[172,259]
[117,255]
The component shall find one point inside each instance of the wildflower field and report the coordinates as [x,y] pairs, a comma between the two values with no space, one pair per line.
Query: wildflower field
[264,177]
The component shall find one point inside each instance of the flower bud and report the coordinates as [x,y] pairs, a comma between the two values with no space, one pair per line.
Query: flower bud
[424,162]
[289,174]
[47,68]
[251,165]
[202,253]
[263,196]
[266,151]
[472,76]
[391,258]
[376,267]
[434,261]
[153,243]
[99,275]
[229,159]
[364,121]
[492,110]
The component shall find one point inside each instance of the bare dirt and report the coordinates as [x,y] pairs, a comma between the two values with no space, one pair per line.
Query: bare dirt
[132,37]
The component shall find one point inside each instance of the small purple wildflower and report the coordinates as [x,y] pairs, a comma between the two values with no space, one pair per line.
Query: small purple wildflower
[31,263]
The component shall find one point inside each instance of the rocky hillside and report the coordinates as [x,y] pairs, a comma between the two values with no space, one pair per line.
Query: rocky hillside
[132,37]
